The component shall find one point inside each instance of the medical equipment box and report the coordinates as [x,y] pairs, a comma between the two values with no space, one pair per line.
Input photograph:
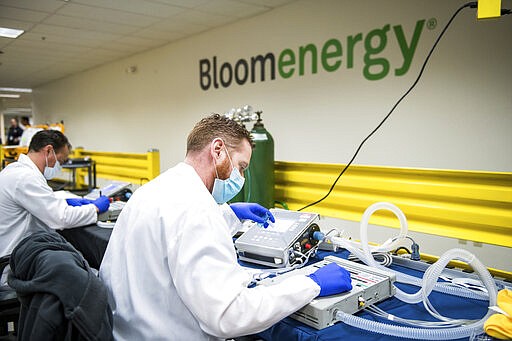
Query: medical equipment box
[282,243]
[113,212]
[369,286]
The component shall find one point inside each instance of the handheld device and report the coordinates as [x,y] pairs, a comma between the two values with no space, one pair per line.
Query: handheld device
[116,190]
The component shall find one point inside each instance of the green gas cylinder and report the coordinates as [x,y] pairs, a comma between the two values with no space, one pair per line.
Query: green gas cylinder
[259,177]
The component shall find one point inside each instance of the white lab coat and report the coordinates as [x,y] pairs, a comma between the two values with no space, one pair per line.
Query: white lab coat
[172,271]
[28,204]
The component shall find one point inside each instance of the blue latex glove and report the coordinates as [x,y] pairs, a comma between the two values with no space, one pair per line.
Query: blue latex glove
[332,279]
[252,211]
[102,203]
[77,201]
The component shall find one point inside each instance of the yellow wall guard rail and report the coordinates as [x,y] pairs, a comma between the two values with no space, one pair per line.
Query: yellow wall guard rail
[470,205]
[136,168]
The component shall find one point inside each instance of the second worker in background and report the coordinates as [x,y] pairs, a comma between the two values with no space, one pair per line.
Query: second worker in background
[28,204]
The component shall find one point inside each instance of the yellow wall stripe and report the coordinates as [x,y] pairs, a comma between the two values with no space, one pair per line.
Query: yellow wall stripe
[471,205]
[137,168]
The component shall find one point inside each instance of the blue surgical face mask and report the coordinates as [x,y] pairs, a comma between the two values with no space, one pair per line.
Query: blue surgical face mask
[225,190]
[51,172]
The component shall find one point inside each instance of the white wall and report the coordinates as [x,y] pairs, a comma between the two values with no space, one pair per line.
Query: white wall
[458,117]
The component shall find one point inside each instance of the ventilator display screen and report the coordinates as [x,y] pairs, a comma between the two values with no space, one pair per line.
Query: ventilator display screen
[281,225]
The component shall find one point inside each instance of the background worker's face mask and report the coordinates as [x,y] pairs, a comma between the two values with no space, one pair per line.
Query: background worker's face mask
[51,172]
[225,190]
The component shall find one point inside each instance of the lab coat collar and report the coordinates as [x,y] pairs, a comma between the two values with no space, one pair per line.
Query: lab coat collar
[188,168]
[233,224]
[24,160]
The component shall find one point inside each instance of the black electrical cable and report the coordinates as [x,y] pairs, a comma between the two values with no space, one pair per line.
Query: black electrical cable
[401,248]
[472,4]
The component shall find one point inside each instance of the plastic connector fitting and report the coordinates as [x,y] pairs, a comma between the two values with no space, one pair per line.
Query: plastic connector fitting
[317,235]
[415,252]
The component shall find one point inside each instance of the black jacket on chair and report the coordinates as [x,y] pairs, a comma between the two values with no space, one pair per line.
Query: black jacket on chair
[61,298]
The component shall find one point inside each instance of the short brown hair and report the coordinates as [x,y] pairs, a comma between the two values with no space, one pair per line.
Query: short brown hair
[45,137]
[213,126]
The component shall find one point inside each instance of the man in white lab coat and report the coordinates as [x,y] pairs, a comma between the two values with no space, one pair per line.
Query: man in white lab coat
[170,265]
[28,204]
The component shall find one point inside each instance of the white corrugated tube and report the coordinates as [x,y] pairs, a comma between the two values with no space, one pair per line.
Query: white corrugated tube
[427,283]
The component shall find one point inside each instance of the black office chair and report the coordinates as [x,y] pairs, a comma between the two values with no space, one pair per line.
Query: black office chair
[9,304]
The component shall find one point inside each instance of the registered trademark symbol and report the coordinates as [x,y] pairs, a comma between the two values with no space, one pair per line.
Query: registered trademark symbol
[431,23]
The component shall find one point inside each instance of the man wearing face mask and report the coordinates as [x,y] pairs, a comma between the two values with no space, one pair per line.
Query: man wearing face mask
[28,204]
[170,265]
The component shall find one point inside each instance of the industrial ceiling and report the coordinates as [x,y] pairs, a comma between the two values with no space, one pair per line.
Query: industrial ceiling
[62,37]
